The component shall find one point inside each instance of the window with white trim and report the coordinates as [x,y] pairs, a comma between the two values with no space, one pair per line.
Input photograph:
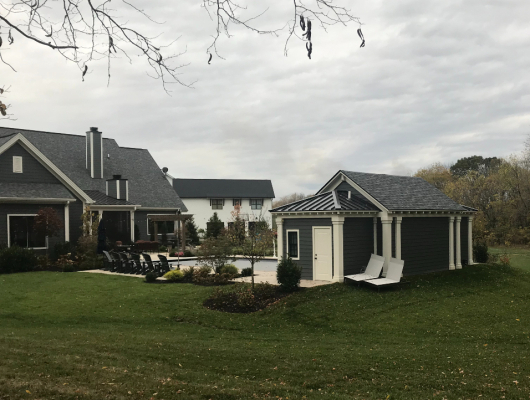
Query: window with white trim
[256,204]
[293,244]
[217,204]
[236,202]
[22,232]
[17,164]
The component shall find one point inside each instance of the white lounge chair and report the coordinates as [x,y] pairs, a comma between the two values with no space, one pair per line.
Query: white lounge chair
[393,274]
[373,270]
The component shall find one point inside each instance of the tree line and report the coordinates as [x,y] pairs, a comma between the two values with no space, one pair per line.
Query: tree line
[499,188]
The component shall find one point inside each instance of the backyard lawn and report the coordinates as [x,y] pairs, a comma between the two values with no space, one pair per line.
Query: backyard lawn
[460,334]
[519,257]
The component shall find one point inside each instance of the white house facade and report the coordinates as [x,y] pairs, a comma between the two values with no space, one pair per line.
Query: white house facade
[204,197]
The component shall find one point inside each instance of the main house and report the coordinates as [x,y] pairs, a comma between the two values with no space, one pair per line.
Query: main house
[69,172]
[203,197]
[354,215]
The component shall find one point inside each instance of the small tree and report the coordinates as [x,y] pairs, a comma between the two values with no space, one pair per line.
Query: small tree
[214,226]
[191,232]
[87,244]
[48,222]
[215,251]
[236,227]
[256,243]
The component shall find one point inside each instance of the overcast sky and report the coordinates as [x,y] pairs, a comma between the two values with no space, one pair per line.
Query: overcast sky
[437,81]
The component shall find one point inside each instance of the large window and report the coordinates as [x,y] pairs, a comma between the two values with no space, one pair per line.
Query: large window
[293,248]
[170,226]
[236,202]
[217,204]
[256,204]
[22,232]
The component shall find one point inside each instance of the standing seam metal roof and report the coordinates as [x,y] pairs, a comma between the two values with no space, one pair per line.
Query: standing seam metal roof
[329,201]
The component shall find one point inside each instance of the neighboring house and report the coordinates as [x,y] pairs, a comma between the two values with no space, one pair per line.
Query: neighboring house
[203,197]
[68,172]
[333,233]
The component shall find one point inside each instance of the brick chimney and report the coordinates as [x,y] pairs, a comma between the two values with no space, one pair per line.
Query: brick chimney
[94,153]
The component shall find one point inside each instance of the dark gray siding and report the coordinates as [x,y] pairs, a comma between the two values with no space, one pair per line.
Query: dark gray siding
[425,244]
[76,210]
[358,243]
[6,209]
[463,239]
[346,186]
[112,189]
[97,154]
[32,170]
[123,189]
[305,226]
[379,237]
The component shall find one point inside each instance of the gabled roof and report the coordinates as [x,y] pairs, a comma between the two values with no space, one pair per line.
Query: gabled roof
[223,188]
[406,193]
[329,201]
[147,185]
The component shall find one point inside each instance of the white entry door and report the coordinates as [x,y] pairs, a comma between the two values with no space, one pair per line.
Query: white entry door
[322,253]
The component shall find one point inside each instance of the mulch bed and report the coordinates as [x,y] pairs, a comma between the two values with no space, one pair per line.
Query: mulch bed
[228,302]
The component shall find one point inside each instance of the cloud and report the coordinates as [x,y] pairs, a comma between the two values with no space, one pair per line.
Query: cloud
[435,82]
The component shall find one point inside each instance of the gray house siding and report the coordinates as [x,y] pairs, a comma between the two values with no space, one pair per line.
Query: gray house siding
[425,244]
[379,237]
[347,187]
[305,227]
[358,243]
[7,209]
[32,170]
[76,210]
[464,240]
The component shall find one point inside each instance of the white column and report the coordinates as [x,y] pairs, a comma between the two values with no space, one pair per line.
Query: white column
[470,241]
[100,213]
[458,244]
[398,237]
[132,226]
[451,243]
[67,222]
[375,235]
[279,227]
[387,242]
[338,247]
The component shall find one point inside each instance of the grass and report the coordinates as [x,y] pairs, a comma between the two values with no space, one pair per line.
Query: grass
[453,335]
[519,256]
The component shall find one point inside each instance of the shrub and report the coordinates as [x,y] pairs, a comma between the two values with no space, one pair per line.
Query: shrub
[174,276]
[229,269]
[187,253]
[60,249]
[176,253]
[43,263]
[504,259]
[17,259]
[150,277]
[480,252]
[162,249]
[188,274]
[203,276]
[68,268]
[246,272]
[288,274]
[65,263]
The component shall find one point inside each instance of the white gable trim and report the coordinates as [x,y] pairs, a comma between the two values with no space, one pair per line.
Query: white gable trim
[47,164]
[340,177]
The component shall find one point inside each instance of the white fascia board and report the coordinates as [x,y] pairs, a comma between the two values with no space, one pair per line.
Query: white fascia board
[114,208]
[334,182]
[47,164]
[35,200]
[140,208]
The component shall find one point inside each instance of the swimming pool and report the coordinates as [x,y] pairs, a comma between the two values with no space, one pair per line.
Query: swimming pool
[263,265]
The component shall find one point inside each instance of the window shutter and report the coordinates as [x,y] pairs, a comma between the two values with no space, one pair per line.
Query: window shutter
[17,164]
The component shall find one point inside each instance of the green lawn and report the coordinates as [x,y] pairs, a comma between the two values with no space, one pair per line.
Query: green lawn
[519,257]
[455,335]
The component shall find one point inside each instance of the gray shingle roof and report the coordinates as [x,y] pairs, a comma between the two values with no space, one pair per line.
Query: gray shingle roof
[35,191]
[102,199]
[223,188]
[403,192]
[329,201]
[147,184]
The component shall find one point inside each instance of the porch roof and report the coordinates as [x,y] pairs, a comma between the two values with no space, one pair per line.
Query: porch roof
[329,201]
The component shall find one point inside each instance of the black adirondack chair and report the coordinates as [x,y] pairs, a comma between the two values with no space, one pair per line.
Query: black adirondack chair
[108,262]
[139,267]
[125,262]
[152,266]
[117,265]
[164,265]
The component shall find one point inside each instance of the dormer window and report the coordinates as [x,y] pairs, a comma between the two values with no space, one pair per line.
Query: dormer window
[17,164]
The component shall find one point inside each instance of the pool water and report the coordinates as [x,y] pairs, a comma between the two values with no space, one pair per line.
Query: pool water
[263,265]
